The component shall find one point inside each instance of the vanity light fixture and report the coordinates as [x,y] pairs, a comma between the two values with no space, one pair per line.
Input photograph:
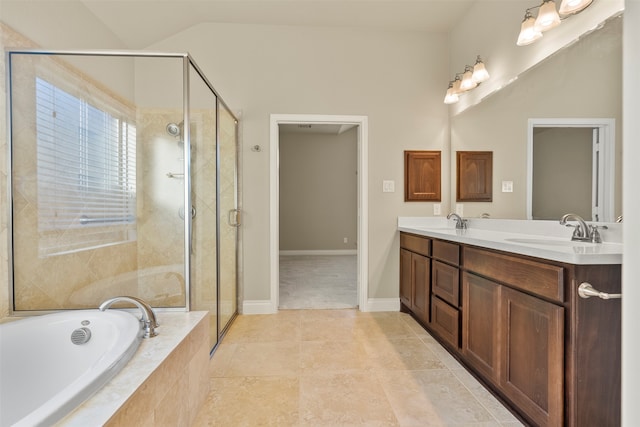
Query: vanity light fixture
[528,31]
[570,7]
[548,17]
[480,73]
[465,81]
[451,97]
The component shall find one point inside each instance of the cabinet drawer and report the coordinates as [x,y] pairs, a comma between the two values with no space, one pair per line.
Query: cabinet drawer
[534,277]
[445,282]
[447,252]
[417,244]
[445,321]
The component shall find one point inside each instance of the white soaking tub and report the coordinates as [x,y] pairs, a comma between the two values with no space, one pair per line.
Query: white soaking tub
[52,363]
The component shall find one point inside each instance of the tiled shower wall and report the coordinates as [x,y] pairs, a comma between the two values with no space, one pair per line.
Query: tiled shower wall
[8,37]
[150,266]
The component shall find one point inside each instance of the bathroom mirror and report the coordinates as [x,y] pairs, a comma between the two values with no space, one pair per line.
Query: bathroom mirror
[581,81]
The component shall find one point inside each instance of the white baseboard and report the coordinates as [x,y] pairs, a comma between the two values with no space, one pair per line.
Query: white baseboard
[321,252]
[382,304]
[258,307]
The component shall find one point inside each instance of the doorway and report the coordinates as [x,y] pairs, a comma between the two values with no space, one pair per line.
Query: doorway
[318,216]
[571,168]
[360,125]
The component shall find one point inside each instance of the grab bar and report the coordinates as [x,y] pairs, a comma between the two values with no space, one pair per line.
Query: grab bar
[175,175]
[585,290]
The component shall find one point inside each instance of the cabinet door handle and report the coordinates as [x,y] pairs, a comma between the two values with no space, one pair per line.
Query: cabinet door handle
[585,290]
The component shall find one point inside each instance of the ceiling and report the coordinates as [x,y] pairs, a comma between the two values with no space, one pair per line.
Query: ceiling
[141,23]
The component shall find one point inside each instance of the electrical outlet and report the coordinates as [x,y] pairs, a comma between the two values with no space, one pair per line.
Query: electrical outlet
[436,209]
[460,209]
[507,186]
[388,186]
[346,240]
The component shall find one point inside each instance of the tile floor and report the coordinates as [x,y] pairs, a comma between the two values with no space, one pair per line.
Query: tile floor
[341,368]
[318,281]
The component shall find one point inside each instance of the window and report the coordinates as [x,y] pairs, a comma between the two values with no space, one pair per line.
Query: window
[85,171]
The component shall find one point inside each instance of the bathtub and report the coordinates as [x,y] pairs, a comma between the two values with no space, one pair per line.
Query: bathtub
[44,375]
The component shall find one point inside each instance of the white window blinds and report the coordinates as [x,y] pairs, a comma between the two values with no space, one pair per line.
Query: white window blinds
[86,173]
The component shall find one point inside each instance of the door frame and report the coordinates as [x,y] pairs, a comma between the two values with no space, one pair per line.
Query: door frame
[274,198]
[607,133]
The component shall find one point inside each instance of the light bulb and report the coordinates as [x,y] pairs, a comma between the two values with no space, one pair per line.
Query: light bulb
[548,17]
[568,7]
[528,32]
[467,79]
[480,73]
[451,97]
[456,86]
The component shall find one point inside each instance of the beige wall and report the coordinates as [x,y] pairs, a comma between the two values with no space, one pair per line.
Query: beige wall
[318,191]
[560,87]
[394,78]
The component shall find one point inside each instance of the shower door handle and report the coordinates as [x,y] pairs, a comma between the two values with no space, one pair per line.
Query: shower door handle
[231,216]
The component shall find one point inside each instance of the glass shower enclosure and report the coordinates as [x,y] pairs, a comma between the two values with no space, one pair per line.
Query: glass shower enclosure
[123,181]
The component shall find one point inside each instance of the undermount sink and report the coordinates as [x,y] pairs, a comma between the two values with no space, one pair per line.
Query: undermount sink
[548,242]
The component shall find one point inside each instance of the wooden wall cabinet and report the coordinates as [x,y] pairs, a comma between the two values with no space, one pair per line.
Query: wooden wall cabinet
[474,176]
[523,330]
[422,176]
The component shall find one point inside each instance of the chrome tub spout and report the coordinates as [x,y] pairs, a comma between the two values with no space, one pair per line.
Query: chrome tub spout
[148,318]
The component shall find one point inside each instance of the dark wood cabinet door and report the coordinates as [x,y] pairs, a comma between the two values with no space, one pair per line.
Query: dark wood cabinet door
[405,277]
[421,272]
[422,175]
[474,176]
[445,321]
[481,324]
[531,365]
[445,282]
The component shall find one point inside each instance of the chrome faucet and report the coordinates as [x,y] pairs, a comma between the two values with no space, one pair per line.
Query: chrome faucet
[148,319]
[582,232]
[461,224]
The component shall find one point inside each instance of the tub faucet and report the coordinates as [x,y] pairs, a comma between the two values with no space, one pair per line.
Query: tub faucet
[581,232]
[148,319]
[461,224]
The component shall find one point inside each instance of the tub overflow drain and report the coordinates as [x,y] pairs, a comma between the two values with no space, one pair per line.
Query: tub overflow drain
[81,336]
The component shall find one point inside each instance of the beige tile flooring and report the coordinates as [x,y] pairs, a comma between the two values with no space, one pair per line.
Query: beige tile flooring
[341,368]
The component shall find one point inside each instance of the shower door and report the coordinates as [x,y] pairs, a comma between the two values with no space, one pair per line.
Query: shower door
[204,218]
[229,215]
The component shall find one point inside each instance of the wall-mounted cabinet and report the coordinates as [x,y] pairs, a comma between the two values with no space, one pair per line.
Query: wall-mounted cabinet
[422,176]
[474,176]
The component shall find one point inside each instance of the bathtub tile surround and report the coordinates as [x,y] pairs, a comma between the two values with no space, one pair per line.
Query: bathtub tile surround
[165,384]
[341,367]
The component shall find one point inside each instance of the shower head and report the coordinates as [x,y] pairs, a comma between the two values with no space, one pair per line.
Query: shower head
[174,129]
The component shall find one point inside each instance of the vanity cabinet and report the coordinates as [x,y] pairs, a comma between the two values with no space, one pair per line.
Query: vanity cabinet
[445,289]
[415,272]
[518,324]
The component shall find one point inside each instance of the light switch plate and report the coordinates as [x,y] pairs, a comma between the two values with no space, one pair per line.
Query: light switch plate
[388,186]
[460,209]
[436,209]
[507,186]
